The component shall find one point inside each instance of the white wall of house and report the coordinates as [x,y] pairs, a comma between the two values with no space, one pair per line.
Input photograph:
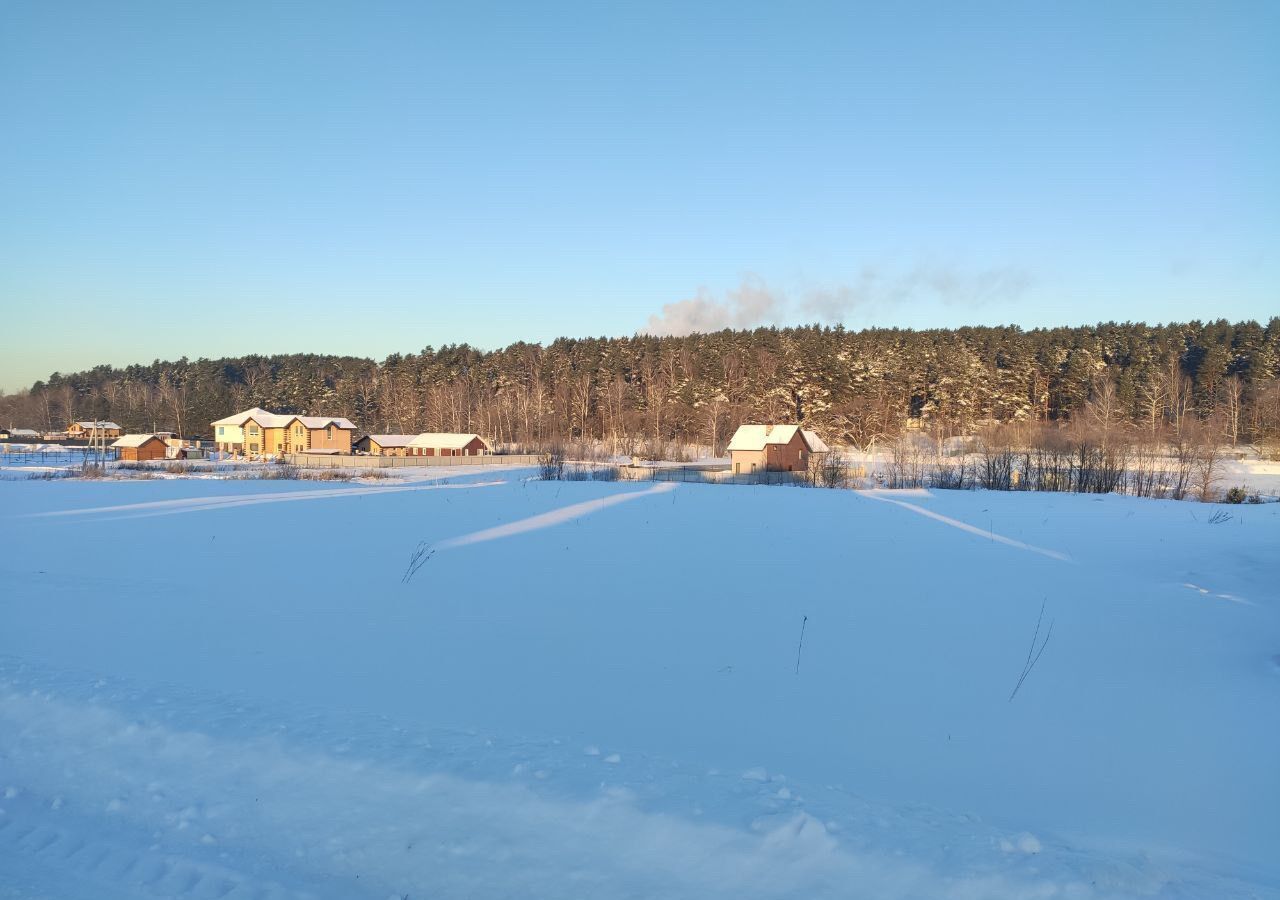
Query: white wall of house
[228,434]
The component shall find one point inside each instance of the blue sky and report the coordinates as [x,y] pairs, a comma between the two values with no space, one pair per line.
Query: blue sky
[367,178]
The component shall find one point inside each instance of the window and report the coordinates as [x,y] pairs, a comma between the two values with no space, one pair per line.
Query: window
[328,432]
[221,431]
[253,430]
[253,448]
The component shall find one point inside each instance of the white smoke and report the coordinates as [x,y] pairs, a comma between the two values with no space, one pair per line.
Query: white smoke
[873,291]
[750,304]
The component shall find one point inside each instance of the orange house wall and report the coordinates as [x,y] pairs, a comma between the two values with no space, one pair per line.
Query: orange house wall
[153,449]
[340,441]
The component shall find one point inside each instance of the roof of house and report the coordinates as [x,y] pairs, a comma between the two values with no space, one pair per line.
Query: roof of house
[816,444]
[445,440]
[279,420]
[91,425]
[25,432]
[391,440]
[755,437]
[259,415]
[135,440]
[314,422]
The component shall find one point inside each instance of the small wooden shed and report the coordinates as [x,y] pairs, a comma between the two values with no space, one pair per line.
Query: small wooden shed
[140,447]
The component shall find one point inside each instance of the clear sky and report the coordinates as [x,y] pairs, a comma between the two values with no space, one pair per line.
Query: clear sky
[226,178]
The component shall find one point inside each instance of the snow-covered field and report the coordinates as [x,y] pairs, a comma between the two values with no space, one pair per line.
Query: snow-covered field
[229,689]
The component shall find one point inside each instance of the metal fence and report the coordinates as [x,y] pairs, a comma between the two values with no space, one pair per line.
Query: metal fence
[320,461]
[20,456]
[717,475]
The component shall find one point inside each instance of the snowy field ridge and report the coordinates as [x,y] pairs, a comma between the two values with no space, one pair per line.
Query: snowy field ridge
[600,691]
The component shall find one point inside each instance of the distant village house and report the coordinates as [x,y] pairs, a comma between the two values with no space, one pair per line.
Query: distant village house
[258,432]
[773,448]
[94,429]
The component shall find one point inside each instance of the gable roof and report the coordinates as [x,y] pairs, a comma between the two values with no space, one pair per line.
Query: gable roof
[314,422]
[391,440]
[446,440]
[281,420]
[259,415]
[135,440]
[756,437]
[89,426]
[816,444]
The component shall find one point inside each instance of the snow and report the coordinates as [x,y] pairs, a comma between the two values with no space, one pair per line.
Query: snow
[259,415]
[391,440]
[133,440]
[1239,467]
[755,437]
[279,420]
[593,693]
[315,422]
[444,440]
[816,444]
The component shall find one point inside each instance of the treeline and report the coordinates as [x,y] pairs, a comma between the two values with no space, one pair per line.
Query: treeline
[856,388]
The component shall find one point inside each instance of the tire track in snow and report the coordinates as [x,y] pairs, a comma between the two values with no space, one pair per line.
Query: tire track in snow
[199,504]
[965,526]
[1221,596]
[554,517]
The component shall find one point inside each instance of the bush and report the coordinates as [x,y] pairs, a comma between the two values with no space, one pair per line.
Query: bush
[1236,495]
[831,472]
[590,473]
[327,475]
[54,475]
[551,465]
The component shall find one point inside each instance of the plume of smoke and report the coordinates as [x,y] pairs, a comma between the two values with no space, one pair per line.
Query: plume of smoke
[751,303]
[873,291]
[876,291]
